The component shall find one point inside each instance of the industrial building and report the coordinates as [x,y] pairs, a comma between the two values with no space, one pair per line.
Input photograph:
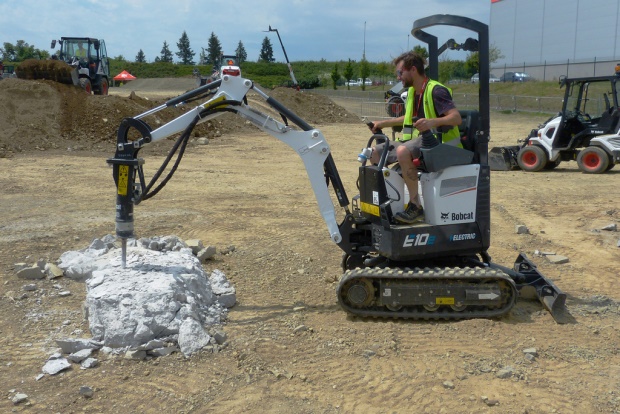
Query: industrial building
[550,38]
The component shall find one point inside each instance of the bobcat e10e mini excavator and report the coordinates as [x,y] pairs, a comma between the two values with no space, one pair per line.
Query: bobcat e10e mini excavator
[437,269]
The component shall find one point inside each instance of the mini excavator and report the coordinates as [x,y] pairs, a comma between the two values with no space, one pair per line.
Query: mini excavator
[438,269]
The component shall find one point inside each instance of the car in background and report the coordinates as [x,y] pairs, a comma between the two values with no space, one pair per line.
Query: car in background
[515,77]
[476,78]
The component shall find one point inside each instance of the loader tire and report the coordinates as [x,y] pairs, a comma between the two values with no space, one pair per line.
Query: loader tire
[532,158]
[103,87]
[551,165]
[86,85]
[593,160]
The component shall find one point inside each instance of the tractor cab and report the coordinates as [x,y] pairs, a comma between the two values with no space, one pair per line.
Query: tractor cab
[229,65]
[590,108]
[89,56]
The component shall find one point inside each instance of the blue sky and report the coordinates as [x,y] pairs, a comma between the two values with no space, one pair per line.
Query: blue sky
[310,29]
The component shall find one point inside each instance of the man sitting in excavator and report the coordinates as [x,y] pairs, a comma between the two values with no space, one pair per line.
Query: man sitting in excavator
[430,104]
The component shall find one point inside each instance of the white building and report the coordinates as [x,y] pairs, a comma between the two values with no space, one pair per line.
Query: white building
[548,38]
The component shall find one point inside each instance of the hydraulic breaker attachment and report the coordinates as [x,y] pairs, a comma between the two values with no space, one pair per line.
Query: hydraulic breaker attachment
[526,275]
[504,158]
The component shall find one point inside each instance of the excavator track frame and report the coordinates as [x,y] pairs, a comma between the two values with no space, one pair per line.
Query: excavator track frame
[429,294]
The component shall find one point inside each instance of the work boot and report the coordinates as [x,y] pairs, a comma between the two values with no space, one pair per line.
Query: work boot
[412,214]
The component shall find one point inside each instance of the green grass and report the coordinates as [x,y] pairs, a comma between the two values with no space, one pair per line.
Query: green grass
[532,88]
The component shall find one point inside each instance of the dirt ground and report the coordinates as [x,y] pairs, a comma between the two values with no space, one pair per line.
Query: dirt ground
[291,349]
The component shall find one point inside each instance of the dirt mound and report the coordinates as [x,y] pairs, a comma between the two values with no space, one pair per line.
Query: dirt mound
[314,109]
[46,115]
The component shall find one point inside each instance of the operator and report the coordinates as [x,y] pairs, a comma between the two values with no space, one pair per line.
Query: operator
[80,52]
[430,102]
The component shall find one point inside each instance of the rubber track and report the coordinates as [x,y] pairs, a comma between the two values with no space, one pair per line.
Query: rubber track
[436,275]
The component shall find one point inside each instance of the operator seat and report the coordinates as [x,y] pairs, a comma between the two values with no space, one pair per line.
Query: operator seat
[447,155]
[609,120]
[468,128]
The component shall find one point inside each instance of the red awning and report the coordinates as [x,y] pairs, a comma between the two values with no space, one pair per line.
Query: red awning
[124,75]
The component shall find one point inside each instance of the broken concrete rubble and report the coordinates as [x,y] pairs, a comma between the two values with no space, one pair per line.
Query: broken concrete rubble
[162,301]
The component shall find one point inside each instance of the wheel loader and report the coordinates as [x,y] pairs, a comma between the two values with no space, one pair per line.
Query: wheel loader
[586,130]
[438,269]
[81,61]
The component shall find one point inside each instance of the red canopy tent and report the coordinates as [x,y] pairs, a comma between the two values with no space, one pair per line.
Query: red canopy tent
[124,76]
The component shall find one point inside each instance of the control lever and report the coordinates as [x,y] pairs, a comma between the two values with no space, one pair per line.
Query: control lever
[371,125]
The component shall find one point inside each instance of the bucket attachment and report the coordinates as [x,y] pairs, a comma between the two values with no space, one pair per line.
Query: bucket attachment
[55,70]
[504,158]
[526,275]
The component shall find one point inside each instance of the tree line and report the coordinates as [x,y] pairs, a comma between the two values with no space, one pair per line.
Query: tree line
[309,74]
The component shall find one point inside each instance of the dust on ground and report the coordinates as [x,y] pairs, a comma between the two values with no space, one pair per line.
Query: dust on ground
[290,347]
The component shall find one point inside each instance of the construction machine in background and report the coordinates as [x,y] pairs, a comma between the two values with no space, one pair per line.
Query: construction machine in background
[436,269]
[81,61]
[586,130]
[229,65]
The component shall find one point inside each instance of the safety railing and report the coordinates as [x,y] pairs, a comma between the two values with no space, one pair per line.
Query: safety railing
[372,105]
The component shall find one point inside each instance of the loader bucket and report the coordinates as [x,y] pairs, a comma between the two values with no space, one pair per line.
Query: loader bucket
[526,275]
[55,70]
[504,158]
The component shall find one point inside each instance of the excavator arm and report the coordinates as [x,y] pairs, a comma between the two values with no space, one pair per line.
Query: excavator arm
[230,96]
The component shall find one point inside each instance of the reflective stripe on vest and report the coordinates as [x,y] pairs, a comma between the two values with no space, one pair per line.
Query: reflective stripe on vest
[452,137]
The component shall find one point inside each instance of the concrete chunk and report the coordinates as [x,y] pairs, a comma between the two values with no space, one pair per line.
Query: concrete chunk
[557,259]
[195,244]
[521,229]
[31,273]
[52,271]
[70,345]
[206,253]
[54,366]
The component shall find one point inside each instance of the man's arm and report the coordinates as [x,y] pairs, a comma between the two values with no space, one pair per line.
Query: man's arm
[386,123]
[452,118]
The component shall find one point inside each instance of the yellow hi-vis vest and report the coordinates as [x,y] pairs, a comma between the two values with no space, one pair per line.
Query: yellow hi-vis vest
[451,137]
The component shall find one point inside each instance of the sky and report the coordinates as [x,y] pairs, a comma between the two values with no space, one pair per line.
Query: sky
[310,29]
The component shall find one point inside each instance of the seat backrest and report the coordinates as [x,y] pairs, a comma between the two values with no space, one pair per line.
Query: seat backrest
[468,128]
[609,120]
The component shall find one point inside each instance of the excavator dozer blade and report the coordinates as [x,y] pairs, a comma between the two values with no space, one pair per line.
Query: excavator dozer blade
[526,275]
[504,158]
[551,297]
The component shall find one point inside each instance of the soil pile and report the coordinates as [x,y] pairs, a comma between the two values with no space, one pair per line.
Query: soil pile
[46,115]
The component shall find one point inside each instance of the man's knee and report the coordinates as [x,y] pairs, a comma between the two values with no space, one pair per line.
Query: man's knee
[403,154]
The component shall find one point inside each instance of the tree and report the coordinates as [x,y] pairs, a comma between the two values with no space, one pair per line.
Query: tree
[421,51]
[140,58]
[472,61]
[214,51]
[335,76]
[8,52]
[165,54]
[348,73]
[241,54]
[21,51]
[185,53]
[364,72]
[266,51]
[120,58]
[202,58]
[384,70]
[451,69]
